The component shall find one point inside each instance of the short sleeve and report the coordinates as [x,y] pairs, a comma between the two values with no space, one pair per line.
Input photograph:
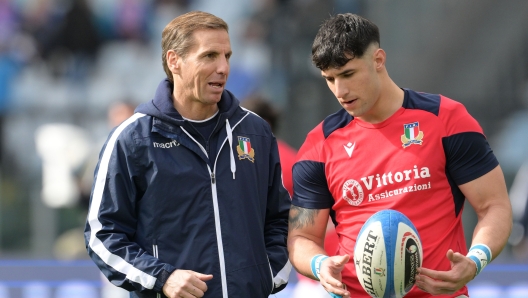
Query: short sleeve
[310,187]
[469,156]
[468,153]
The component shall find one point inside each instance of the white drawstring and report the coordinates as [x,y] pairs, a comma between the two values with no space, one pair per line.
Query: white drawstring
[231,154]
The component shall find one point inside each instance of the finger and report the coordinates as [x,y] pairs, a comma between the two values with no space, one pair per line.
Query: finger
[434,287]
[191,291]
[431,283]
[333,295]
[203,277]
[341,260]
[338,290]
[202,287]
[331,277]
[197,292]
[184,294]
[452,257]
[424,287]
[455,257]
[335,265]
[332,283]
[433,274]
[200,282]
[435,291]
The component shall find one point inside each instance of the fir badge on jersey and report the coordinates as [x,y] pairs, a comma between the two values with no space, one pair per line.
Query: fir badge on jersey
[244,149]
[412,134]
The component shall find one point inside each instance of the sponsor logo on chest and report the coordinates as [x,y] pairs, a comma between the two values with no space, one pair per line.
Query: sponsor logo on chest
[353,191]
[166,145]
[394,183]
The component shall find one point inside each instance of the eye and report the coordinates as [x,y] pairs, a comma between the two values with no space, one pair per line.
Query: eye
[330,80]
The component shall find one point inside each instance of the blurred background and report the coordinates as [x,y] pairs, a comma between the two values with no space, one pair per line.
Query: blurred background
[70,70]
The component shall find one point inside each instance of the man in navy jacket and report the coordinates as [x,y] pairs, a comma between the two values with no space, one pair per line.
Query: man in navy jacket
[188,199]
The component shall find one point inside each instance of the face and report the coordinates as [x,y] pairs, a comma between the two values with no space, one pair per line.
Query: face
[356,85]
[200,77]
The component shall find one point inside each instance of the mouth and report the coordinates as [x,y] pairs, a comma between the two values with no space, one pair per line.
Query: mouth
[217,85]
[348,102]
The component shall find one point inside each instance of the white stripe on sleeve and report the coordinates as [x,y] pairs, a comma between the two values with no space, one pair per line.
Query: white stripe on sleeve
[95,244]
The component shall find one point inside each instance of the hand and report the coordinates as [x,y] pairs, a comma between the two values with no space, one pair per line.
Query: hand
[462,271]
[186,284]
[330,275]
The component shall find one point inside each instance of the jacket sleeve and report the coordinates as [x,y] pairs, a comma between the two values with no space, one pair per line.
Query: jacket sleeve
[111,223]
[276,228]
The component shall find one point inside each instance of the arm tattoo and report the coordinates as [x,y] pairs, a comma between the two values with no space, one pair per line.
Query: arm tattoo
[301,217]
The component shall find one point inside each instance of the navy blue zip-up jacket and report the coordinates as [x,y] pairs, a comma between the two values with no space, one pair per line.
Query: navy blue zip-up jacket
[160,203]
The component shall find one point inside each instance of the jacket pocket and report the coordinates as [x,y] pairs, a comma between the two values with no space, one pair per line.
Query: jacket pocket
[156,255]
[271,275]
[254,281]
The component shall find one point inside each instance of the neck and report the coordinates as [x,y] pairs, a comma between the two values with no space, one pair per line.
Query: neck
[193,109]
[196,111]
[389,101]
[393,100]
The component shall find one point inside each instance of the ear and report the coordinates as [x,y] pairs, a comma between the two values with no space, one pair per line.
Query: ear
[379,58]
[173,61]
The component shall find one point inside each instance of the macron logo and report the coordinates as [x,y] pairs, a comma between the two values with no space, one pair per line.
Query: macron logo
[349,148]
[166,145]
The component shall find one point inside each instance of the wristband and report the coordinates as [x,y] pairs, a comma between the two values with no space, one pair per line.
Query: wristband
[315,264]
[481,255]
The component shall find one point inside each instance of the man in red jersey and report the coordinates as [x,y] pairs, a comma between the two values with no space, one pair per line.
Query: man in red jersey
[392,148]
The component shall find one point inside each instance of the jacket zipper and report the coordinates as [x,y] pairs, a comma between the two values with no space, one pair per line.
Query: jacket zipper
[155,253]
[219,241]
[217,215]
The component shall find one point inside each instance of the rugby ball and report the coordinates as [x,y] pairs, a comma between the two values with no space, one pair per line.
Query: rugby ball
[387,252]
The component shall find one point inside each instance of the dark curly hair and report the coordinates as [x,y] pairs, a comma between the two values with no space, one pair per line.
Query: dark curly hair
[342,38]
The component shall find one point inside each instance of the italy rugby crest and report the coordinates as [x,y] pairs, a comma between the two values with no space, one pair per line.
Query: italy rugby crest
[411,134]
[244,149]
[379,271]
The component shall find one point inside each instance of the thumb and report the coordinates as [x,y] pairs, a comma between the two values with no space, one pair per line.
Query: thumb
[450,254]
[454,257]
[340,261]
[203,277]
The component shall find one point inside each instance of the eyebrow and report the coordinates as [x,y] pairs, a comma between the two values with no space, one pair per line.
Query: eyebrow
[338,74]
[207,52]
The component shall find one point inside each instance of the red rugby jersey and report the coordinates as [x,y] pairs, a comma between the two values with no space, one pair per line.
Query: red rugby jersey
[412,162]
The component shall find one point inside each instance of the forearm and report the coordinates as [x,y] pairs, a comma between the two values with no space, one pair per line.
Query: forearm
[306,233]
[493,228]
[489,197]
[301,251]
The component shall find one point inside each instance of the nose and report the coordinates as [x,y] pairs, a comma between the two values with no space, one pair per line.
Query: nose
[341,89]
[223,66]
